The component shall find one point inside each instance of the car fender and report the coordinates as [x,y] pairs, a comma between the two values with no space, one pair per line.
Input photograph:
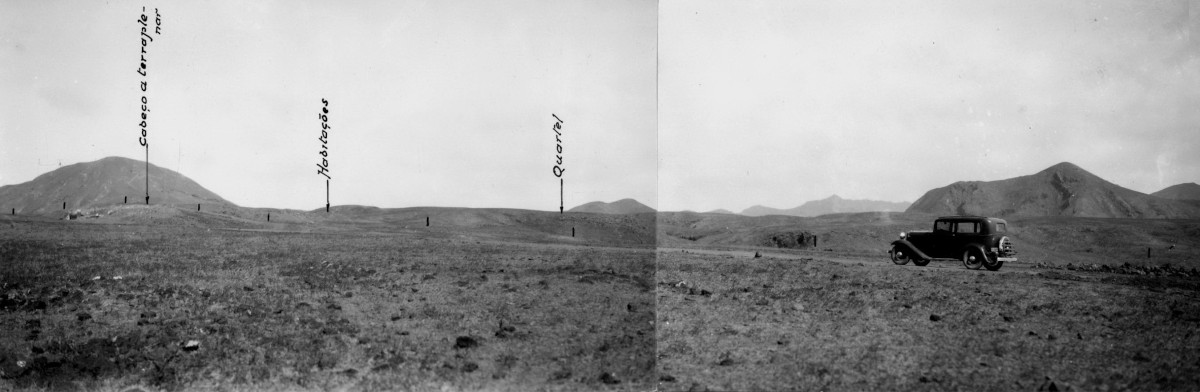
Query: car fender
[912,249]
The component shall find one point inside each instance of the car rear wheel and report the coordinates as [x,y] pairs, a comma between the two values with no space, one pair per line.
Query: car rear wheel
[898,256]
[973,258]
[993,264]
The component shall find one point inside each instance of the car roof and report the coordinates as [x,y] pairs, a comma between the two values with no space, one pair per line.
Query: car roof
[971,218]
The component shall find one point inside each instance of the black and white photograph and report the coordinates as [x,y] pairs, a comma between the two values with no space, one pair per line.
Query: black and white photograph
[630,195]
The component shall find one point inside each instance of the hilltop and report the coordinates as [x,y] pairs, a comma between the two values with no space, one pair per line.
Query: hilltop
[1187,192]
[830,205]
[1060,190]
[620,207]
[103,182]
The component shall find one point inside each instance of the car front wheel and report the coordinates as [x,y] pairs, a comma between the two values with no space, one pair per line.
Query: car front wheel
[973,258]
[898,256]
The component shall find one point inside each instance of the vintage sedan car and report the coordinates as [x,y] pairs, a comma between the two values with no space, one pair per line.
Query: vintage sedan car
[976,240]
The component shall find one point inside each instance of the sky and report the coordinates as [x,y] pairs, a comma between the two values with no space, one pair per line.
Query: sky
[432,103]
[780,102]
[682,105]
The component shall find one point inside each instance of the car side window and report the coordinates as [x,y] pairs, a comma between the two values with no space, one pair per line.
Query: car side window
[941,226]
[967,227]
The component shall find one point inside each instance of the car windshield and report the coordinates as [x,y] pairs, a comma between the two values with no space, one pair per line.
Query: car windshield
[1001,227]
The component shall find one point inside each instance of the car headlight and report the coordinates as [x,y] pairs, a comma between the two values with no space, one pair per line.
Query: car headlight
[902,235]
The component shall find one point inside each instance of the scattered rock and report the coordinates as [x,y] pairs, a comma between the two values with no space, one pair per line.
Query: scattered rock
[666,378]
[191,345]
[726,362]
[464,342]
[470,367]
[705,293]
[83,316]
[561,374]
[326,360]
[934,317]
[1049,385]
[609,378]
[506,331]
[757,255]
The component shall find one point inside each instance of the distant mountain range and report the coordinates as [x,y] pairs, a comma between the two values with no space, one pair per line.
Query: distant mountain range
[830,205]
[623,206]
[1061,190]
[107,181]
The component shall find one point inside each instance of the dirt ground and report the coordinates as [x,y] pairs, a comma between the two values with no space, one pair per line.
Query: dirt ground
[143,306]
[113,307]
[728,321]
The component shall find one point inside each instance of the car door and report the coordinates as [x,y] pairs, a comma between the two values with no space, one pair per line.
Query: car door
[965,234]
[942,236]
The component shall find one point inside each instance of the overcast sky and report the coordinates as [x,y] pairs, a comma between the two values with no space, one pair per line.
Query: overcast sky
[778,103]
[680,104]
[444,103]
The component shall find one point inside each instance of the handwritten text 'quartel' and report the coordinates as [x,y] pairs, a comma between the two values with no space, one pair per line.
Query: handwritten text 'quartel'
[558,163]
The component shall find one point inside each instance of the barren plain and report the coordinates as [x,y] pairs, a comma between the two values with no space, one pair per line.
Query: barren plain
[1084,309]
[115,306]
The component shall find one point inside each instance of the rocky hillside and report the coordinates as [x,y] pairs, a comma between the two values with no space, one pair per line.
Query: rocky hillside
[1188,193]
[1061,190]
[107,181]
